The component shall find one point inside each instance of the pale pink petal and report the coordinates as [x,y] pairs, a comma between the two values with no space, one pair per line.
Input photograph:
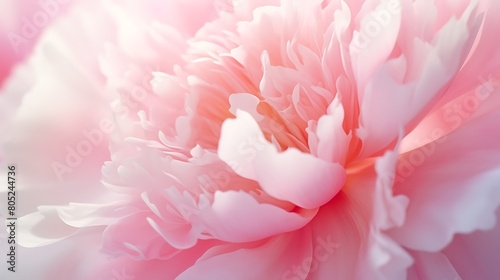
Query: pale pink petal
[380,257]
[447,193]
[452,115]
[82,247]
[145,243]
[484,60]
[127,268]
[475,255]
[300,178]
[338,231]
[293,176]
[43,228]
[375,38]
[83,259]
[21,25]
[277,258]
[433,266]
[222,220]
[257,140]
[333,141]
[51,136]
[386,259]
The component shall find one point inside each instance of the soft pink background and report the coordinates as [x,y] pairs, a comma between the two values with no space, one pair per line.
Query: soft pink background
[12,13]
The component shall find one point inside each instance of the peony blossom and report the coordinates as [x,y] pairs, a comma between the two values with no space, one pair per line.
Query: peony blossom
[252,139]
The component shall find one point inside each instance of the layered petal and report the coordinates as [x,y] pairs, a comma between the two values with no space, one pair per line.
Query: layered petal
[291,175]
[474,255]
[280,257]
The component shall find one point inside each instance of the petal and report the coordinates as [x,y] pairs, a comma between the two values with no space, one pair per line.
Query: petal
[369,49]
[476,255]
[84,215]
[134,237]
[70,254]
[451,185]
[356,219]
[278,258]
[484,59]
[293,176]
[333,141]
[339,229]
[80,257]
[223,219]
[50,135]
[392,100]
[433,266]
[43,228]
[386,259]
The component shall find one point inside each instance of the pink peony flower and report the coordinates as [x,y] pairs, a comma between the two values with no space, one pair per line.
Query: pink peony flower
[291,140]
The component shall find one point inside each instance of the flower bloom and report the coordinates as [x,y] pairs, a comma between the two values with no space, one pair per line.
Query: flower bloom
[289,139]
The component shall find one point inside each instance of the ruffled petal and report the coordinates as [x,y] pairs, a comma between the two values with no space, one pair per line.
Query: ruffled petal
[222,220]
[475,255]
[290,175]
[451,185]
[280,257]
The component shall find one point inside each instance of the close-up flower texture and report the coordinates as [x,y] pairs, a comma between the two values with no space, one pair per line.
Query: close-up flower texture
[250,139]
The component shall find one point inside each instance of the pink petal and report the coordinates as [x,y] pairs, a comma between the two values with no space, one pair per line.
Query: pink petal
[386,259]
[277,258]
[222,220]
[338,232]
[433,266]
[381,257]
[300,178]
[369,52]
[476,255]
[484,60]
[451,186]
[43,228]
[60,165]
[392,100]
[333,141]
[136,238]
[293,176]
